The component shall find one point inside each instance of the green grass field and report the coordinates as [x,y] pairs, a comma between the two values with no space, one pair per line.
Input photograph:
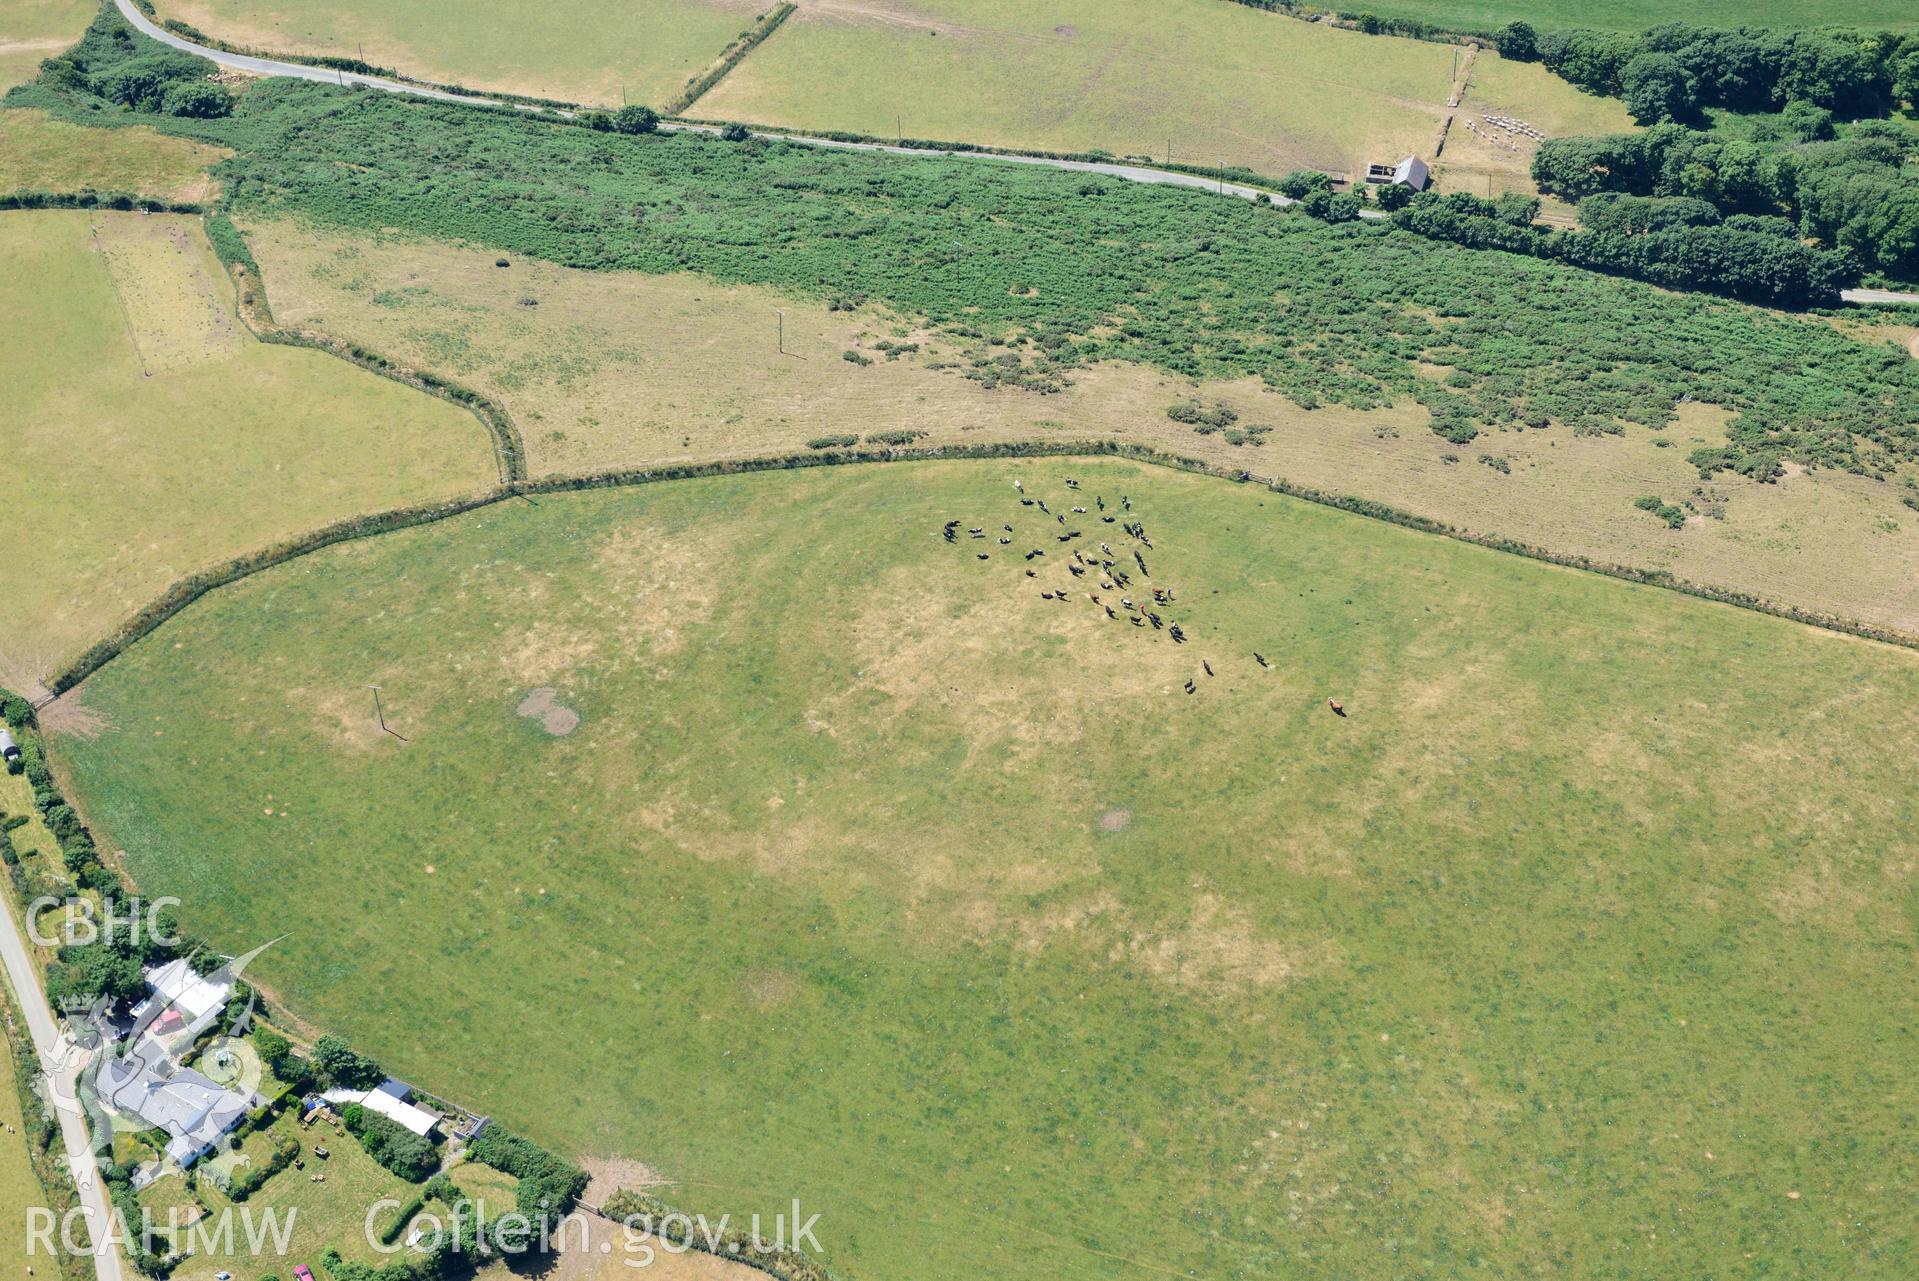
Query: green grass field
[580,50]
[149,435]
[869,876]
[1637,15]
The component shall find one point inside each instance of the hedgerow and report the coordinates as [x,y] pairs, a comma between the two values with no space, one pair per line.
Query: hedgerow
[1016,255]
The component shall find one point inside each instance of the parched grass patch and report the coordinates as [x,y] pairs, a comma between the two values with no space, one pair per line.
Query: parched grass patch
[40,153]
[621,369]
[1481,157]
[1587,921]
[149,436]
[34,30]
[1211,80]
[589,51]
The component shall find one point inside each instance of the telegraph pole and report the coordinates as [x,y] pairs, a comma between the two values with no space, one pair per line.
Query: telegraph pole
[781,313]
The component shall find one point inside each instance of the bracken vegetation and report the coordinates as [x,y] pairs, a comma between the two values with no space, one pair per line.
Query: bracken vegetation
[1059,273]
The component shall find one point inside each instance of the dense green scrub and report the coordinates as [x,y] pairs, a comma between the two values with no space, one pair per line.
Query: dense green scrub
[1066,268]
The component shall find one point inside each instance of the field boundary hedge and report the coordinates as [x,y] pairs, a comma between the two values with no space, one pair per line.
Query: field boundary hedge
[191,588]
[731,57]
[87,198]
[1369,23]
[230,246]
[231,249]
[1230,173]
[648,1212]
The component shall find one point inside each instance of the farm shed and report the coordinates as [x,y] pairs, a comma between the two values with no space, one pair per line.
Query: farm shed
[1412,172]
[389,1100]
[179,990]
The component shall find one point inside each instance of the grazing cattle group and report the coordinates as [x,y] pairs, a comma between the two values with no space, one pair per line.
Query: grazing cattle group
[1110,576]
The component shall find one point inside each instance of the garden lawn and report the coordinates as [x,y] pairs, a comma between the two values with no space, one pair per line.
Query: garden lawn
[332,1213]
[747,828]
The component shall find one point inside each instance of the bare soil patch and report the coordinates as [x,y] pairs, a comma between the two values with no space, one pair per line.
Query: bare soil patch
[543,705]
[70,715]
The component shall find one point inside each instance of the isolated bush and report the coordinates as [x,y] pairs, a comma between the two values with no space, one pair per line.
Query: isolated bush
[16,711]
[735,132]
[832,442]
[1671,513]
[1393,196]
[1517,42]
[635,119]
[201,99]
[1204,420]
[1301,183]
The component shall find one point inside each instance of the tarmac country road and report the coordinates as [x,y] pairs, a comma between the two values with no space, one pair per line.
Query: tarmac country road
[324,75]
[1130,173]
[61,1061]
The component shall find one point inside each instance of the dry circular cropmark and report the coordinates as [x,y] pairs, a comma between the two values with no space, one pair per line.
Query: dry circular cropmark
[544,706]
[1115,820]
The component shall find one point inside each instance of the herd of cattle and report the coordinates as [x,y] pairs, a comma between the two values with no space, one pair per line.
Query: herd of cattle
[1121,574]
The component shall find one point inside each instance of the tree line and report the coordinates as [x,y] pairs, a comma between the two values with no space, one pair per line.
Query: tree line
[1672,70]
[1858,194]
[1738,261]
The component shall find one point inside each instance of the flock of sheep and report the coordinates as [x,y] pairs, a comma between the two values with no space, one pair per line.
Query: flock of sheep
[1513,129]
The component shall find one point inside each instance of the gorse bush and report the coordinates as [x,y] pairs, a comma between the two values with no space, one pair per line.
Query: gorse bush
[1180,280]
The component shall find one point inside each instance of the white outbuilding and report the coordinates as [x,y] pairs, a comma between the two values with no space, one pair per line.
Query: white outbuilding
[389,1101]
